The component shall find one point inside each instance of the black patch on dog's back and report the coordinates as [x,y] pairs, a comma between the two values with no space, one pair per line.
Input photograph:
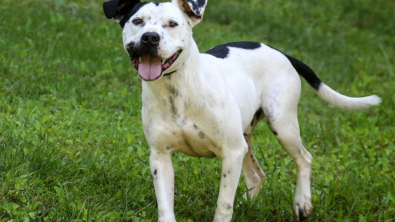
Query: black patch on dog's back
[222,51]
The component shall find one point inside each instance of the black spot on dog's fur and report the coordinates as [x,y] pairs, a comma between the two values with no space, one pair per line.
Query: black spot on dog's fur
[172,89]
[275,133]
[201,135]
[133,11]
[173,109]
[155,171]
[126,12]
[194,126]
[222,51]
[269,115]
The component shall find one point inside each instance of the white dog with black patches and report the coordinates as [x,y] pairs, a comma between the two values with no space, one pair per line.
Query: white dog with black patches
[207,105]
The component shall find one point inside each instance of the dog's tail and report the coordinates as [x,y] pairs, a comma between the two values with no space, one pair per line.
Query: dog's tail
[328,94]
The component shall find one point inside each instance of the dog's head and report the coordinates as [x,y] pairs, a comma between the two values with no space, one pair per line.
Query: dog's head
[156,35]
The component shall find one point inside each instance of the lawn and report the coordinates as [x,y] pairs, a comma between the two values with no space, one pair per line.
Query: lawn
[71,140]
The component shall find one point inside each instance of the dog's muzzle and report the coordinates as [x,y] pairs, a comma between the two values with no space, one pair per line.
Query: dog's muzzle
[144,57]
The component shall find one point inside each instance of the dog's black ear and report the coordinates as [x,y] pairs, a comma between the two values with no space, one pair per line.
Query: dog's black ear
[117,9]
[193,8]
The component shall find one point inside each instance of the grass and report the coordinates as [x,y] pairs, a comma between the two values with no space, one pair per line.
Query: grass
[71,141]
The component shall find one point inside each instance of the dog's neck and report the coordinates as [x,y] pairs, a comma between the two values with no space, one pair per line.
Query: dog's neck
[183,83]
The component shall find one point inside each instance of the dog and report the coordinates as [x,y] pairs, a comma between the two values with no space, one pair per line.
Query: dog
[207,104]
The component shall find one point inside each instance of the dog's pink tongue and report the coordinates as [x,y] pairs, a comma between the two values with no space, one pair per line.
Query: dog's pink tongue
[150,67]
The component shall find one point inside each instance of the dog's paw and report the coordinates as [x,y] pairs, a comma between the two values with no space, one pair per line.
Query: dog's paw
[303,209]
[252,193]
[170,219]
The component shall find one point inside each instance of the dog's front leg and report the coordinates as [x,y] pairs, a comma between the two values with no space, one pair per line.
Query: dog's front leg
[163,175]
[231,168]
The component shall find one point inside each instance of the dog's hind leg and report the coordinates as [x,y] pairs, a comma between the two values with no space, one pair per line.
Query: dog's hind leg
[253,173]
[280,108]
[288,136]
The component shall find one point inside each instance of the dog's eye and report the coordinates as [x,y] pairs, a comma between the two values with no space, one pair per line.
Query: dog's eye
[173,24]
[137,21]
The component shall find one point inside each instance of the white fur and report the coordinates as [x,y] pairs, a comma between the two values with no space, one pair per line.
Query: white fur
[206,107]
[345,102]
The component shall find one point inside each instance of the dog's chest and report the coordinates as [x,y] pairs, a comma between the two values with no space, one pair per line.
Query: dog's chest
[174,122]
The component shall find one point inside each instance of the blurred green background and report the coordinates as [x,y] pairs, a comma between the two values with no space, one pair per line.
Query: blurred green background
[71,141]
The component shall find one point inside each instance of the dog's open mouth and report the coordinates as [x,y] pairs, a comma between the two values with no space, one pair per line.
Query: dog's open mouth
[151,67]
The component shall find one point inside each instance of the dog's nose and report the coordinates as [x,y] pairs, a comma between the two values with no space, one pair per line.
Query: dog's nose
[150,38]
